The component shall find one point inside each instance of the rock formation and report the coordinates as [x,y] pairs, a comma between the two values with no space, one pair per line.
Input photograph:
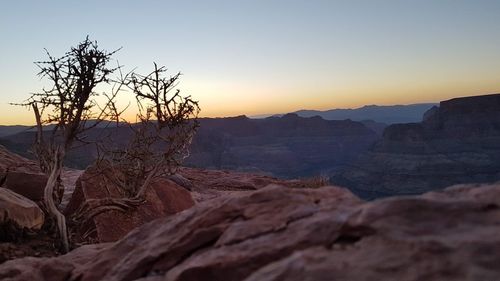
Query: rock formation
[162,198]
[30,185]
[19,212]
[209,184]
[24,177]
[279,233]
[14,162]
[457,142]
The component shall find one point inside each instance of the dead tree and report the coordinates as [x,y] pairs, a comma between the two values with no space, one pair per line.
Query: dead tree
[69,107]
[160,139]
[167,124]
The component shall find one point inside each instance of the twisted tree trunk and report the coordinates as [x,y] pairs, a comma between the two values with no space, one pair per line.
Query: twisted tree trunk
[52,209]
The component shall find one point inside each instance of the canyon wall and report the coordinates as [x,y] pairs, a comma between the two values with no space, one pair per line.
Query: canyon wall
[457,142]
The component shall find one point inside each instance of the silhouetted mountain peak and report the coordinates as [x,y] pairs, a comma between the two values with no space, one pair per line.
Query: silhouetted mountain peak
[290,116]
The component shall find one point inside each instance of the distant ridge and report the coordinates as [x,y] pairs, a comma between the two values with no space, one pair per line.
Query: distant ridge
[8,130]
[389,114]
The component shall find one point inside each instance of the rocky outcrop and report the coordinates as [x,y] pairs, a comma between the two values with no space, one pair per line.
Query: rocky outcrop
[280,233]
[18,211]
[459,142]
[162,198]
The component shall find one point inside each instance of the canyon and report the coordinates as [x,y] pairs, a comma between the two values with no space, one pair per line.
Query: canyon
[439,223]
[457,142]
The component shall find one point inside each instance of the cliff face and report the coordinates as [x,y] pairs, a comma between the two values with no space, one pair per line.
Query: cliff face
[288,146]
[457,142]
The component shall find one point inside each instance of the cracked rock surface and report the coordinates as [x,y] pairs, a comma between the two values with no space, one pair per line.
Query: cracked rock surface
[280,233]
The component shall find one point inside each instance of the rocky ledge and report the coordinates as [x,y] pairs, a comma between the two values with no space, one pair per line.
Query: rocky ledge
[282,233]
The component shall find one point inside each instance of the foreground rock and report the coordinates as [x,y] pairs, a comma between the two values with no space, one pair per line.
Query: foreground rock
[19,212]
[278,233]
[163,198]
[439,236]
[457,142]
[51,268]
[20,217]
[30,185]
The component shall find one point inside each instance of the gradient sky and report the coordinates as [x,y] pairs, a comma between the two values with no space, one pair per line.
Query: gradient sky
[268,56]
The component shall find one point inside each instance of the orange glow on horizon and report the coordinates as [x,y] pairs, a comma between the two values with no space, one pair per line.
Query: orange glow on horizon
[250,106]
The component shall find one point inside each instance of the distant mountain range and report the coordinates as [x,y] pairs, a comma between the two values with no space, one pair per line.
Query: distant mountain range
[12,130]
[7,130]
[390,114]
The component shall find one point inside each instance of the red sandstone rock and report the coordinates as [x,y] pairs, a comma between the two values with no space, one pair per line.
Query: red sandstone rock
[163,198]
[13,162]
[19,210]
[24,177]
[209,184]
[450,235]
[30,185]
[279,233]
[20,175]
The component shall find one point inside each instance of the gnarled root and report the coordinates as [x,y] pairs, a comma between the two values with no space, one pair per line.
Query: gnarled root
[93,207]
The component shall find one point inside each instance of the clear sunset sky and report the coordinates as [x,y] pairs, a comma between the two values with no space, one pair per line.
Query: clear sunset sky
[268,56]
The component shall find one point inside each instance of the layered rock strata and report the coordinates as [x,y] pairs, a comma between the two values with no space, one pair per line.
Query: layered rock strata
[457,142]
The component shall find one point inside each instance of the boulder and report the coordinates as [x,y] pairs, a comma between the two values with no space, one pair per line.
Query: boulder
[20,211]
[29,185]
[21,175]
[280,233]
[163,198]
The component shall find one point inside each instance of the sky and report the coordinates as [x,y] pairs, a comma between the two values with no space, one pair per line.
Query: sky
[267,56]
